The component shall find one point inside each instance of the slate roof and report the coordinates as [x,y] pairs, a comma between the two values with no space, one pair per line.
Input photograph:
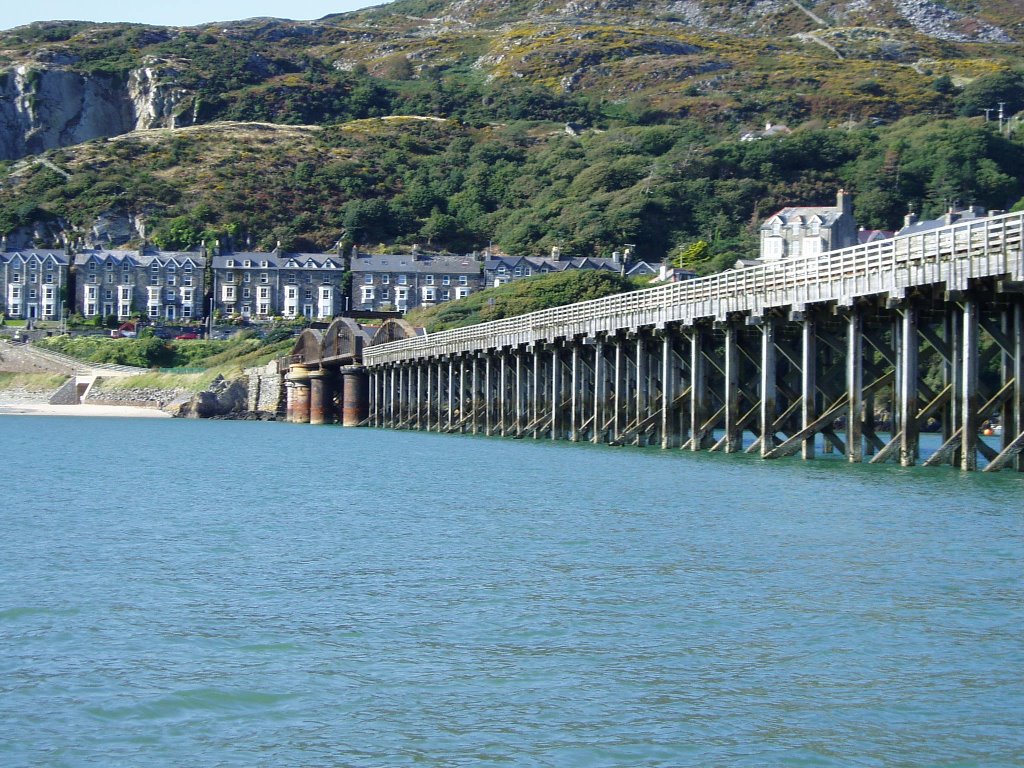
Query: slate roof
[135,259]
[424,263]
[951,217]
[279,260]
[41,254]
[827,215]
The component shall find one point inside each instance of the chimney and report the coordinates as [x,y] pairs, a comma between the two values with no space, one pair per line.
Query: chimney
[556,253]
[950,216]
[909,219]
[3,243]
[843,202]
[416,252]
[616,257]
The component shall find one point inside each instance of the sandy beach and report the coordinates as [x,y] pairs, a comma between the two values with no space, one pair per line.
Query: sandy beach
[45,409]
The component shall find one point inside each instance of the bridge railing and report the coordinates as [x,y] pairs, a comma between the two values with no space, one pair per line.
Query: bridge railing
[953,254]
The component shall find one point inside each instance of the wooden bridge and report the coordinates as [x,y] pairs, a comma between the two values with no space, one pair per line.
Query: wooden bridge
[777,359]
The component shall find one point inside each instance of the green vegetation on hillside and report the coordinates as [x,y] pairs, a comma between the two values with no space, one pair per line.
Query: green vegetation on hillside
[522,187]
[226,358]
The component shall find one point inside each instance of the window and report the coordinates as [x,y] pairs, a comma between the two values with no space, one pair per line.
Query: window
[186,296]
[188,268]
[264,294]
[171,280]
[446,295]
[49,277]
[16,277]
[403,279]
[384,293]
[247,277]
[367,279]
[108,295]
[428,279]
[461,293]
[246,293]
[231,263]
[154,310]
[186,280]
[291,293]
[385,279]
[308,295]
[110,278]
[169,296]
[519,272]
[48,293]
[325,293]
[247,263]
[31,294]
[229,292]
[463,280]
[264,309]
[15,293]
[108,265]
[186,311]
[308,278]
[92,266]
[367,295]
[290,278]
[428,294]
[264,277]
[229,277]
[91,279]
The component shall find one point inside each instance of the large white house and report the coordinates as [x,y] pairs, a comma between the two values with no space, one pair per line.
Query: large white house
[809,231]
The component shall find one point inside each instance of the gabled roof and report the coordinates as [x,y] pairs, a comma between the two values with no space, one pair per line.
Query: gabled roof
[35,256]
[826,216]
[278,260]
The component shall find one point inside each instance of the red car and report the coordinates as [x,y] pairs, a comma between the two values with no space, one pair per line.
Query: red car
[185,336]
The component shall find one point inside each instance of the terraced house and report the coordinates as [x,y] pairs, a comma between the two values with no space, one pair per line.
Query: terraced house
[34,283]
[161,285]
[259,285]
[402,281]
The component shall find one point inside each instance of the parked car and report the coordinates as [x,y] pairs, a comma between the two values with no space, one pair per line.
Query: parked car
[186,336]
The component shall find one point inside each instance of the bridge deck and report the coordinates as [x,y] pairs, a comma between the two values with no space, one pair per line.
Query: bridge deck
[952,255]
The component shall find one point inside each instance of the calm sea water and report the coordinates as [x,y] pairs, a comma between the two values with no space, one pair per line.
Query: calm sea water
[241,594]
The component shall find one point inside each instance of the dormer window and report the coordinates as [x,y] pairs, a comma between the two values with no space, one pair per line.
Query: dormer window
[248,263]
[231,263]
[263,264]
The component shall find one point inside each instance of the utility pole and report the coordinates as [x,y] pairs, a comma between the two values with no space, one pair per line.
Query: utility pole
[1001,105]
[988,112]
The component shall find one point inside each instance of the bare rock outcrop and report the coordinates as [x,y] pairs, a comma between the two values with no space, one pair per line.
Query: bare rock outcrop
[222,398]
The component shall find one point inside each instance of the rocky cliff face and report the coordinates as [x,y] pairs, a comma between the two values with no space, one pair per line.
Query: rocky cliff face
[47,108]
[156,98]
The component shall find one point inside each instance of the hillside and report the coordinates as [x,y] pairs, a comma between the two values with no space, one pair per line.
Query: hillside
[444,122]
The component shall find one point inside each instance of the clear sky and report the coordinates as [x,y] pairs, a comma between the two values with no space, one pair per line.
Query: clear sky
[182,13]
